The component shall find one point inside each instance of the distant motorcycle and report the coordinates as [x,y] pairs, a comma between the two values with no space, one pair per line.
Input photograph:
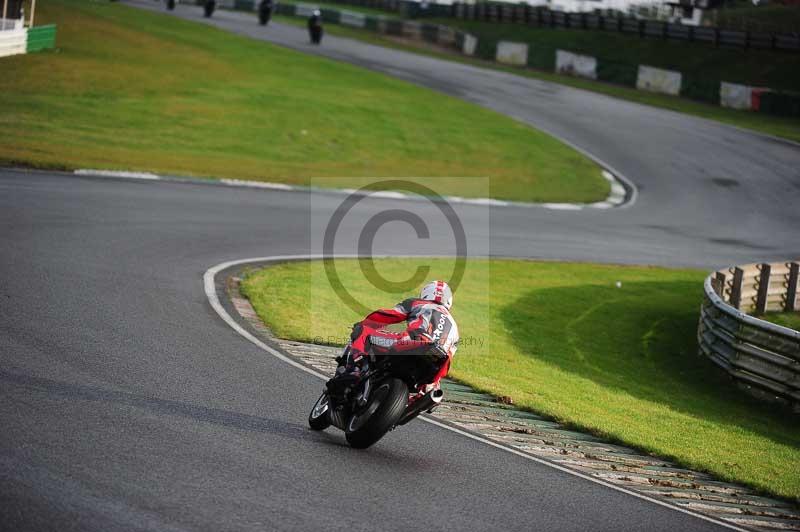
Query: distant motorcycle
[315,27]
[374,393]
[264,12]
[208,8]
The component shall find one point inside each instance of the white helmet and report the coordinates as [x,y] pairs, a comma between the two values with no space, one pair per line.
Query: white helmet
[437,291]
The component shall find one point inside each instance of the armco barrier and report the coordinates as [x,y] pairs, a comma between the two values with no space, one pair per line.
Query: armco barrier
[763,358]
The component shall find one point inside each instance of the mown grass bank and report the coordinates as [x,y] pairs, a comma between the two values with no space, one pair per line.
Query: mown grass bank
[564,340]
[772,125]
[787,319]
[136,90]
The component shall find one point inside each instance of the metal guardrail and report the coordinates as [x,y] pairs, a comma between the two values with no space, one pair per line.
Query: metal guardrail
[763,358]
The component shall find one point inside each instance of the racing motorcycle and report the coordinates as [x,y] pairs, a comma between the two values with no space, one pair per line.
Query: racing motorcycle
[264,12]
[372,393]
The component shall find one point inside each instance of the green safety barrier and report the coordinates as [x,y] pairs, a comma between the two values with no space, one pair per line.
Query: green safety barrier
[486,49]
[41,38]
[780,103]
[330,15]
[394,27]
[244,5]
[371,23]
[697,88]
[430,32]
[616,72]
[541,58]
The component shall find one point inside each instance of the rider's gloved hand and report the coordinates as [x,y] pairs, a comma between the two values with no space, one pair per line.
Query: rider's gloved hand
[357,328]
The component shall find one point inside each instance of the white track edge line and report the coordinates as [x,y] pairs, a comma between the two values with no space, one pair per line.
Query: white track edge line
[209,284]
[615,198]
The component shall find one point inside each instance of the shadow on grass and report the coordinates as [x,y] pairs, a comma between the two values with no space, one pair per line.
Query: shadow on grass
[639,339]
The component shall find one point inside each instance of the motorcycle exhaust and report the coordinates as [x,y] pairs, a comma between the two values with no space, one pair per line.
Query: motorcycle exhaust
[426,402]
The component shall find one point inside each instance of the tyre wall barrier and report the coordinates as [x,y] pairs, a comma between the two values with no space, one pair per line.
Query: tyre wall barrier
[763,358]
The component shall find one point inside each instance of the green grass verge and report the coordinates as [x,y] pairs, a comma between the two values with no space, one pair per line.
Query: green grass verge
[788,128]
[138,90]
[787,319]
[563,340]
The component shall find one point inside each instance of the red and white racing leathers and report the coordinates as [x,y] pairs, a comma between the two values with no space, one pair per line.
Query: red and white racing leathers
[429,324]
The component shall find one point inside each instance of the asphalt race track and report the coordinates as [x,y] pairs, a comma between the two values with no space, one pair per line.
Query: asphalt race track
[709,194]
[127,404]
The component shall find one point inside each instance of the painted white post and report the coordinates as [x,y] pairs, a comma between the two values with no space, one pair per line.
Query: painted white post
[5,10]
[33,10]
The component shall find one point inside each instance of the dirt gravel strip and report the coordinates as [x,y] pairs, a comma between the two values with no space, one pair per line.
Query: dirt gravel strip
[493,419]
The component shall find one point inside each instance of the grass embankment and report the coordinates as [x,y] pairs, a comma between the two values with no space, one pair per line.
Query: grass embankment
[772,125]
[563,340]
[787,319]
[137,90]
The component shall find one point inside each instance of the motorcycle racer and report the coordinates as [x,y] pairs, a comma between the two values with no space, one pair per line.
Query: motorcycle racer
[430,329]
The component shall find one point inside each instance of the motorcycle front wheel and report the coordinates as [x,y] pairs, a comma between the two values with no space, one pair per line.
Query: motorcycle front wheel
[387,403]
[319,418]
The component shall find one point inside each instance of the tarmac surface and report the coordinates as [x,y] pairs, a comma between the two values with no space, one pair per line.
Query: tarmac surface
[127,404]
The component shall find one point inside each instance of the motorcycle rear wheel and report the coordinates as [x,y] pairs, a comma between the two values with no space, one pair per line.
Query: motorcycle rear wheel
[391,397]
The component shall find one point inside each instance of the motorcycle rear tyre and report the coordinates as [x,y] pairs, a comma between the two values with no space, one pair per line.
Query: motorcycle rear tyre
[392,407]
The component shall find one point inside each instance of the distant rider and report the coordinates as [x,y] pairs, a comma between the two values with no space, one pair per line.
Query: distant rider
[430,329]
[315,27]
